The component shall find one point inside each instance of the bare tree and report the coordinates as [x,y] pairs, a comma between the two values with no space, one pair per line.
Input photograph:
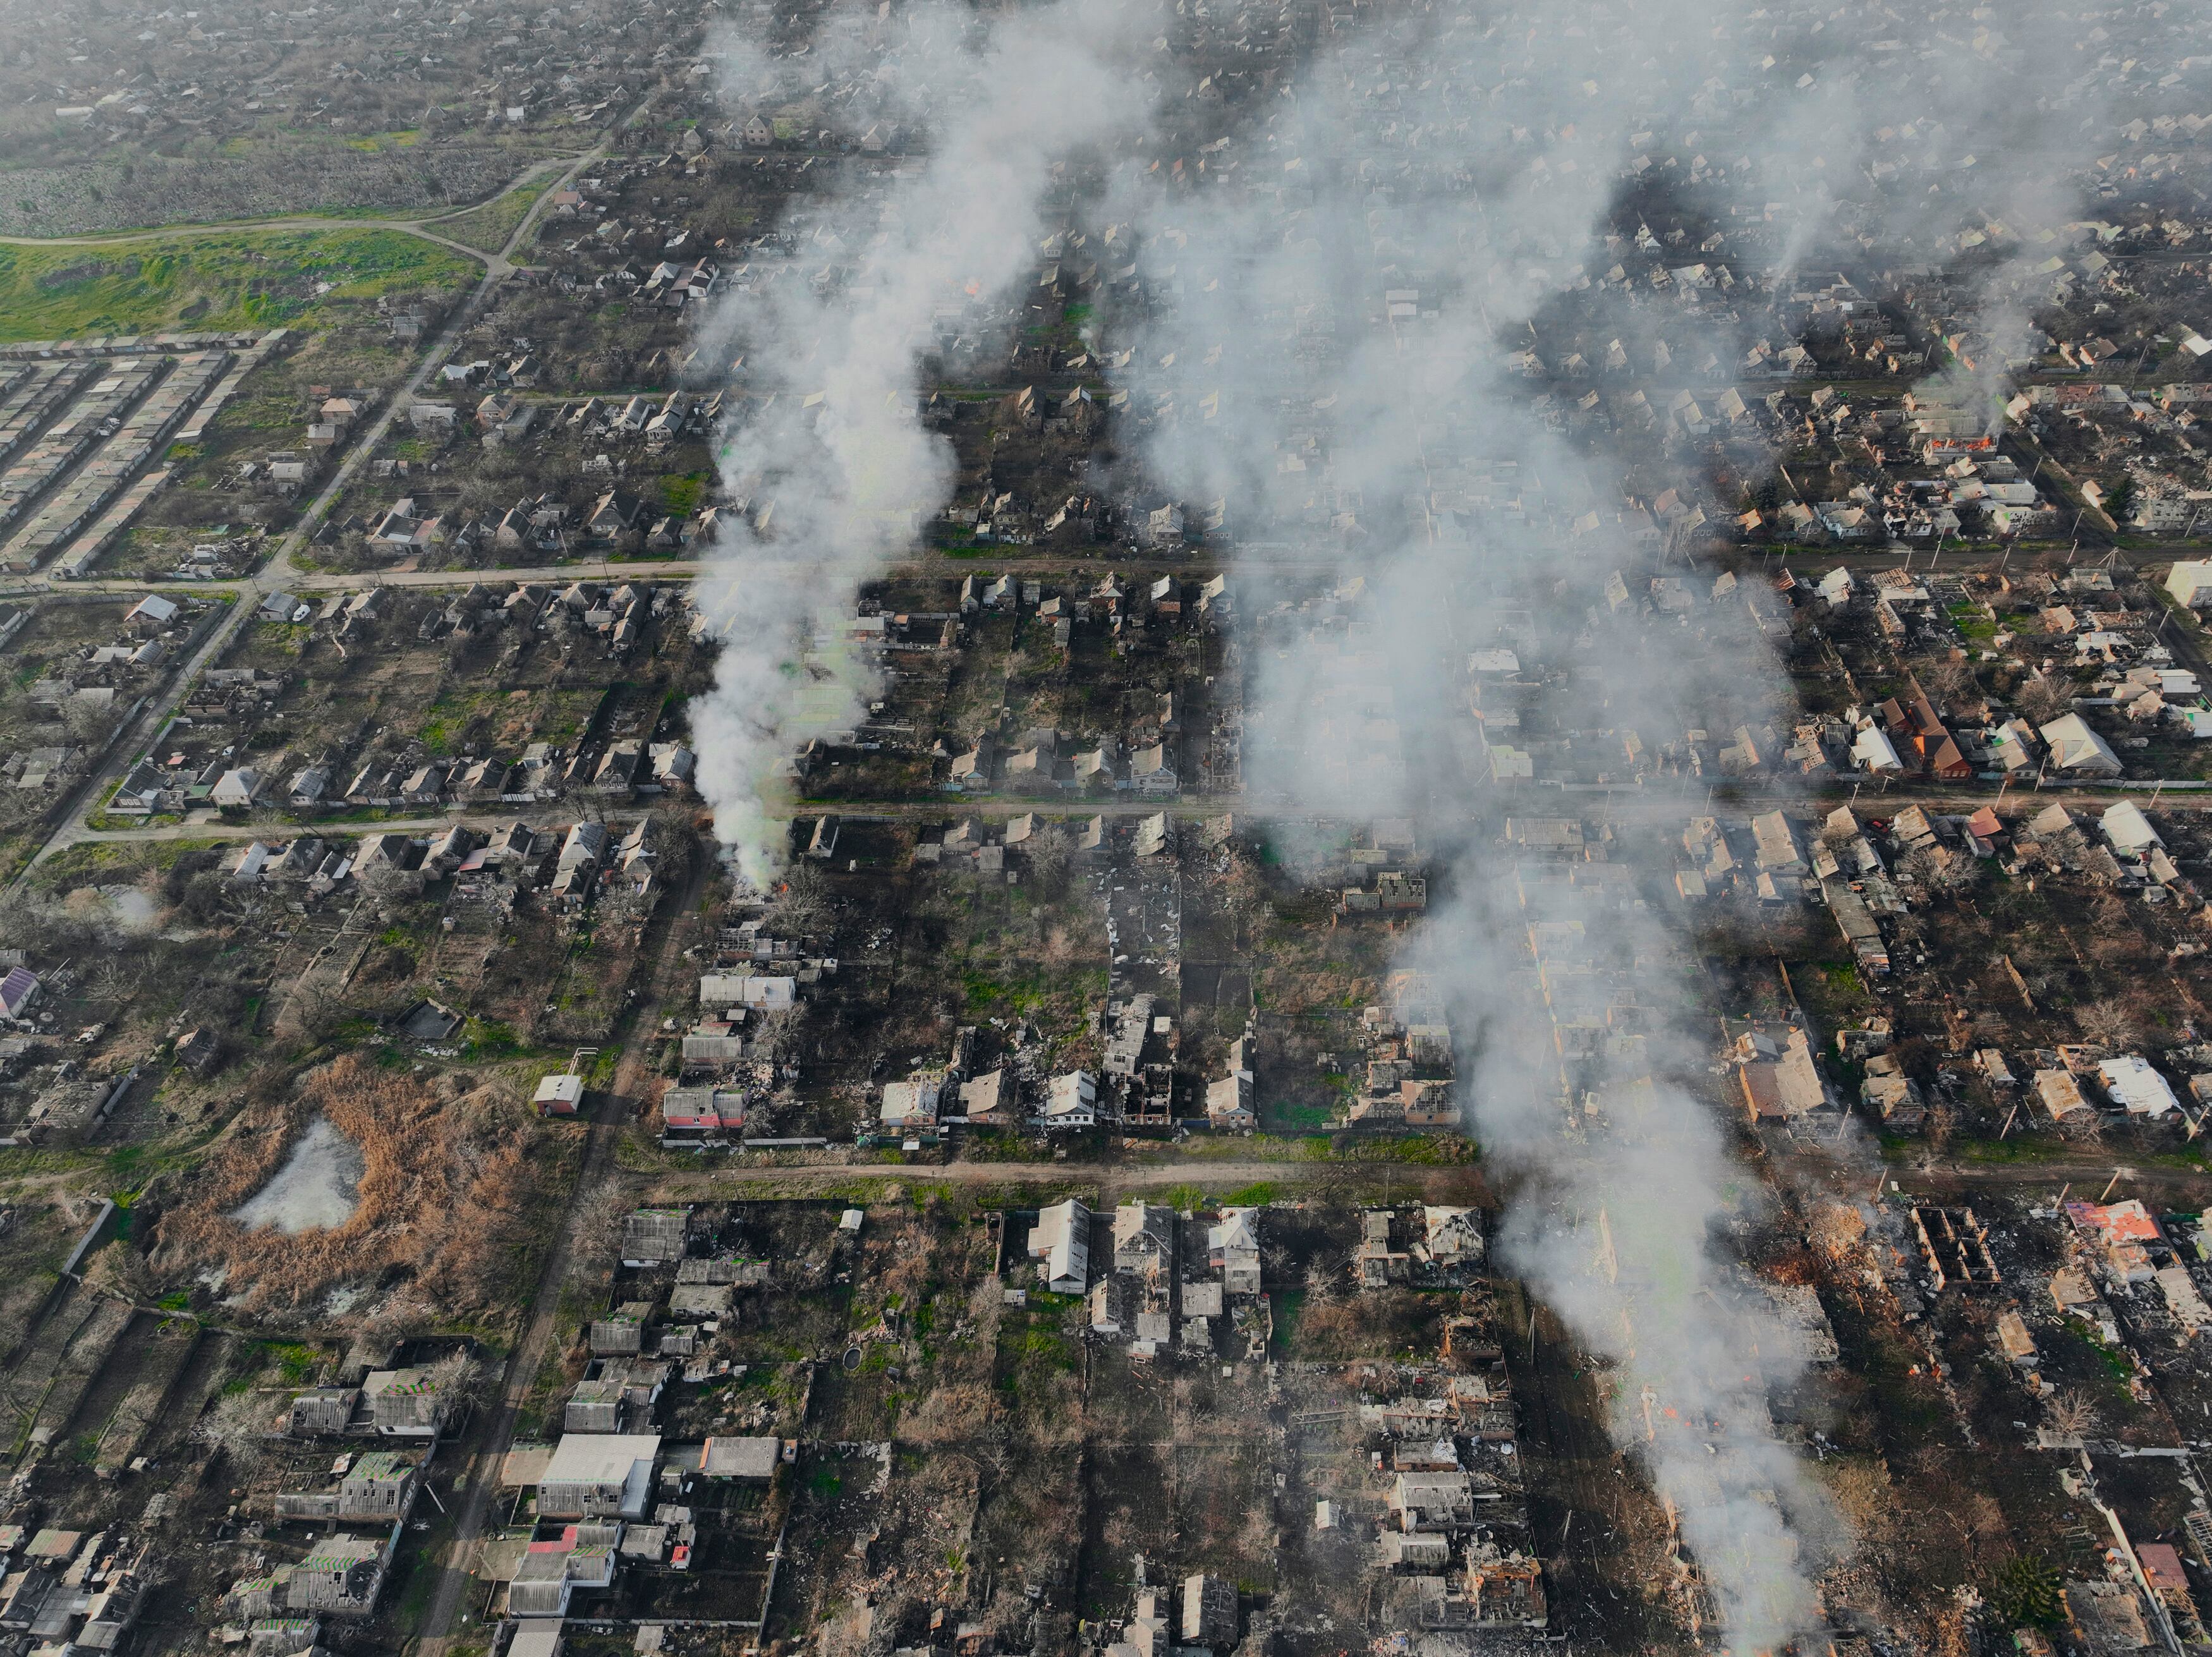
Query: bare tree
[2073,1414]
[121,1270]
[117,978]
[599,1231]
[802,900]
[236,1426]
[87,722]
[313,1010]
[2108,1023]
[2043,699]
[1949,677]
[1050,851]
[461,1381]
[388,883]
[1941,1127]
[1941,870]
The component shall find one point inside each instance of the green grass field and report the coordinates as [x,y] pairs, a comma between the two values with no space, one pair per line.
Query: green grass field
[232,279]
[489,227]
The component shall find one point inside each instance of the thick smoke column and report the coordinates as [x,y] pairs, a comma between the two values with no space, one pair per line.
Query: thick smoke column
[830,462]
[1341,332]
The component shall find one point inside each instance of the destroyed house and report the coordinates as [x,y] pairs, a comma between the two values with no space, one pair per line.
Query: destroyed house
[1125,1047]
[405,1403]
[696,1118]
[622,1332]
[1209,1610]
[377,1485]
[1507,1592]
[1431,1502]
[341,1575]
[1143,1237]
[655,1236]
[581,1557]
[595,1407]
[324,1412]
[1955,1246]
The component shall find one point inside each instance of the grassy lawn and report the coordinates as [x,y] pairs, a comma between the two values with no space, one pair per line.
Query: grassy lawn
[234,279]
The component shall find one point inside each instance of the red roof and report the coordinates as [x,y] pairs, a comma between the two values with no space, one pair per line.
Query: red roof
[2127,1222]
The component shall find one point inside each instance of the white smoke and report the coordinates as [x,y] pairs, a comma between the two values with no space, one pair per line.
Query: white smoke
[1321,342]
[1320,298]
[834,471]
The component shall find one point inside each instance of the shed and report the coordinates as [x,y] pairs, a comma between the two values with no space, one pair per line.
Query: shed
[751,1459]
[559,1095]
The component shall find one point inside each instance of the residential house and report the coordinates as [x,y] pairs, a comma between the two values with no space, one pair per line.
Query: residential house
[598,1476]
[237,789]
[2076,750]
[1072,1100]
[19,991]
[1233,1246]
[1060,1242]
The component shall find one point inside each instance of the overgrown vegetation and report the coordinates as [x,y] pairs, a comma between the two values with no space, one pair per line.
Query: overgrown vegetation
[233,279]
[447,1196]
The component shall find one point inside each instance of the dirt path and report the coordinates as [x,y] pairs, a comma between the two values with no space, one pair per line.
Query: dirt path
[1215,1178]
[124,753]
[422,224]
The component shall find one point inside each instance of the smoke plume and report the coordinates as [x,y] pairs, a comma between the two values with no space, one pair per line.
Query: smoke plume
[1410,310]
[830,464]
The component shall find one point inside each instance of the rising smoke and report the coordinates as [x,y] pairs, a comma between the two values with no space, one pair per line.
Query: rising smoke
[830,460]
[1335,304]
[1468,231]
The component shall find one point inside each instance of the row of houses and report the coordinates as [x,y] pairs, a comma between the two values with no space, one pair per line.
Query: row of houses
[573,865]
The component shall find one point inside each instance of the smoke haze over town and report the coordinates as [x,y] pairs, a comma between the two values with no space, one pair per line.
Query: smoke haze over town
[1104,829]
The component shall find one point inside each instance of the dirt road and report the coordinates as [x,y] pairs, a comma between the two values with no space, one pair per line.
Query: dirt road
[1216,1179]
[496,1435]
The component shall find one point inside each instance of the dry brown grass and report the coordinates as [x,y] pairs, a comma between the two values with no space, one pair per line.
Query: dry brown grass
[958,1414]
[449,1181]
